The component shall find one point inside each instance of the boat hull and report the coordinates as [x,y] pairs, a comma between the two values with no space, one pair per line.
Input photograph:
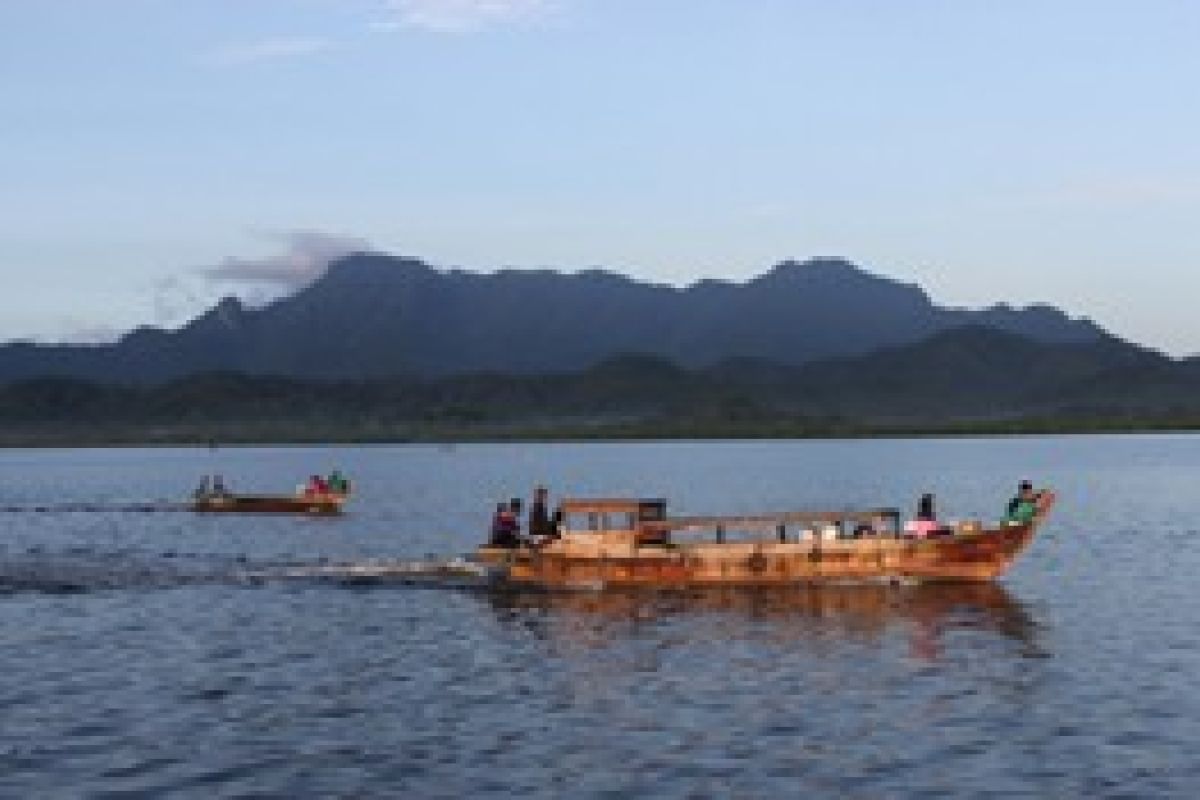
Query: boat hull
[980,557]
[268,504]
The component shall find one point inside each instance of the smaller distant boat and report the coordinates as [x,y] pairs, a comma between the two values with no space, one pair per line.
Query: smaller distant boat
[269,504]
[317,496]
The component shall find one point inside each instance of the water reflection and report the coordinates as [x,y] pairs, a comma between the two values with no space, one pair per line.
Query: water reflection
[926,613]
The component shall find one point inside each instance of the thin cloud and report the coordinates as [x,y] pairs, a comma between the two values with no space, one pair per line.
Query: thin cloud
[1133,191]
[177,300]
[305,257]
[458,16]
[1116,192]
[302,256]
[269,49]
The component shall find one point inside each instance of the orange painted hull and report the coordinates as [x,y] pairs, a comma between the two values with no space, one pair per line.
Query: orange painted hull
[980,557]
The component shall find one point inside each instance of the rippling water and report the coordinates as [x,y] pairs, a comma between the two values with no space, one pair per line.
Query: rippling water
[137,663]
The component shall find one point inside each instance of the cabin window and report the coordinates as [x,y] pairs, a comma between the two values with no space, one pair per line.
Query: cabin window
[727,535]
[620,521]
[652,513]
[576,521]
[579,521]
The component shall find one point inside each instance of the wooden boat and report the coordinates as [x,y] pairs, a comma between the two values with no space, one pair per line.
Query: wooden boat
[628,543]
[269,504]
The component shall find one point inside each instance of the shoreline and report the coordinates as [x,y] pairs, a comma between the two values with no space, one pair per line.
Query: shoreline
[287,436]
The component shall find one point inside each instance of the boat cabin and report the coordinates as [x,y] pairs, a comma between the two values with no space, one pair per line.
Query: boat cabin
[611,521]
[617,523]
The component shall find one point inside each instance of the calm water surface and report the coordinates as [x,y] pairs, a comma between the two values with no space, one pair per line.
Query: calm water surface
[135,663]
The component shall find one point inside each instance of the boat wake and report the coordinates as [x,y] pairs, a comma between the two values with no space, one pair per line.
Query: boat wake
[456,573]
[82,570]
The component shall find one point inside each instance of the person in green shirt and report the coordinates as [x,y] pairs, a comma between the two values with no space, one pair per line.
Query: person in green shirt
[1024,507]
[337,483]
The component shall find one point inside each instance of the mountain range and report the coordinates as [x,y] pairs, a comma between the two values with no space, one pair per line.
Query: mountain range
[375,316]
[385,348]
[973,378]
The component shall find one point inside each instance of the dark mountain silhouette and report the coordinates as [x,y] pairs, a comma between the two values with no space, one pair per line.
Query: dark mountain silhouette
[978,372]
[373,315]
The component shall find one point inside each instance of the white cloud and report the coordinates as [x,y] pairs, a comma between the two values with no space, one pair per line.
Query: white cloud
[458,16]
[301,257]
[305,256]
[270,49]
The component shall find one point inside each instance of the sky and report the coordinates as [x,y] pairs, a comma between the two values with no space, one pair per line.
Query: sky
[156,155]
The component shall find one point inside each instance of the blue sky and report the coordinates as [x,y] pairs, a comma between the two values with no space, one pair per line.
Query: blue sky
[156,154]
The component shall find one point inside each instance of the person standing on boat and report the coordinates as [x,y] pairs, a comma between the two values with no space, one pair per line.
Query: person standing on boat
[541,527]
[926,522]
[514,510]
[925,512]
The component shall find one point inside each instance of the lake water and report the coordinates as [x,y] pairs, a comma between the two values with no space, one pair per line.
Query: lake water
[135,663]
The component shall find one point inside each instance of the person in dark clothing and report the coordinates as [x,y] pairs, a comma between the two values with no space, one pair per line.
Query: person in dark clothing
[514,511]
[925,524]
[497,529]
[925,511]
[204,490]
[540,525]
[504,528]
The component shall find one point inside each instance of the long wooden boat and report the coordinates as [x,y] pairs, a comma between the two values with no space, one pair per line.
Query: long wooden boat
[269,504]
[631,543]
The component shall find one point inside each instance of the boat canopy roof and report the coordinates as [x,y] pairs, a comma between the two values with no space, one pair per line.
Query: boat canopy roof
[611,505]
[651,515]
